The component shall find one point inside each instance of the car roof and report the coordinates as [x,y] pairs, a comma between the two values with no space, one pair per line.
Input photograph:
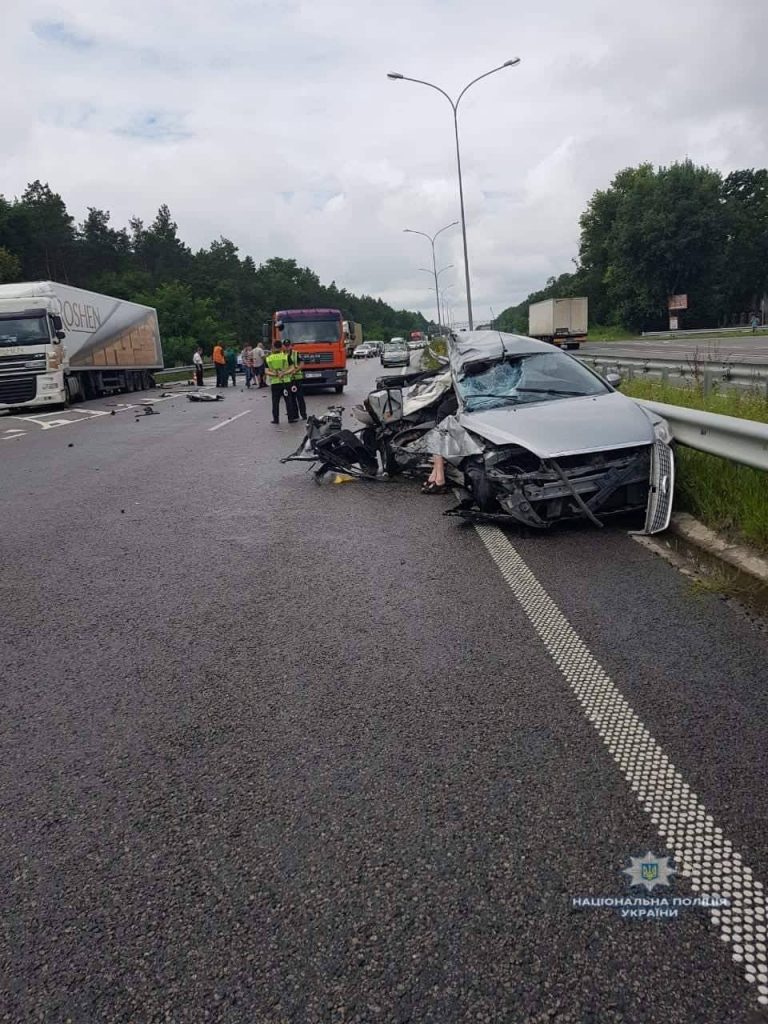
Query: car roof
[490,346]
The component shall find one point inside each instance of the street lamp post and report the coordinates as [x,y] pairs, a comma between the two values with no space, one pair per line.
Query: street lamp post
[396,76]
[437,276]
[410,231]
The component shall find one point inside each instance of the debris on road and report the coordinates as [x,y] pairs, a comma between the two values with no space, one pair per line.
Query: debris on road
[204,396]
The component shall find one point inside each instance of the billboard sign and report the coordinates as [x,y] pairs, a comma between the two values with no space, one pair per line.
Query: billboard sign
[677,302]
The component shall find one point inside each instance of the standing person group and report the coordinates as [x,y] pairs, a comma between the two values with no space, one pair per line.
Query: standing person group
[281,368]
[253,360]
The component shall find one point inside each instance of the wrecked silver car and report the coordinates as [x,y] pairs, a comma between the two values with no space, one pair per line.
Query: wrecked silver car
[533,436]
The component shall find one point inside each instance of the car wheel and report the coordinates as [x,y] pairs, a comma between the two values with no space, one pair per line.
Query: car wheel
[481,488]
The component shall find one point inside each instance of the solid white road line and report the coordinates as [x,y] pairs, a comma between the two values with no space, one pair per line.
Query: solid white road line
[699,848]
[232,419]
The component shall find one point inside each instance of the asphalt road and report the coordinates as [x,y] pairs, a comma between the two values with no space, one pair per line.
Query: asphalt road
[724,348]
[274,752]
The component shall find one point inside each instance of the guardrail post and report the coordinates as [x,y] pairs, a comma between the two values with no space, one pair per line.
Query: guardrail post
[707,383]
[665,375]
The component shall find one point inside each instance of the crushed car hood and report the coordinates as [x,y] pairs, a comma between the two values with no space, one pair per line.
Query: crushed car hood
[565,426]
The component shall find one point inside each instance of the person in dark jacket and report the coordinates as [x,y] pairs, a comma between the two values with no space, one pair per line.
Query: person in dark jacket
[297,379]
[231,357]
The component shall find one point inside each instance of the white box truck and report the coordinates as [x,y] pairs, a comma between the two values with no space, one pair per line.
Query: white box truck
[353,335]
[562,322]
[59,343]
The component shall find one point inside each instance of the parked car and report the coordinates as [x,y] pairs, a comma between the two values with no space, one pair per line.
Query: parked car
[364,351]
[396,353]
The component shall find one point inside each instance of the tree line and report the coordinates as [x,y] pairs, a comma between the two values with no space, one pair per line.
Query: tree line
[213,294]
[657,232]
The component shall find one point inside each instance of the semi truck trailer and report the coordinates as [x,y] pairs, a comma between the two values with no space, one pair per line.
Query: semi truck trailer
[562,322]
[59,344]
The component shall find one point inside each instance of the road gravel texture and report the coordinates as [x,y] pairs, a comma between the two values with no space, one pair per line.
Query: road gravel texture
[280,753]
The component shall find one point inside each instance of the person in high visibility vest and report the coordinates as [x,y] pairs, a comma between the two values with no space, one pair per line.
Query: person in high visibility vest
[279,374]
[297,379]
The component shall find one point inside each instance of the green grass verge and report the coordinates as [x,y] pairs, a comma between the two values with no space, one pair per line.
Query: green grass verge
[730,499]
[610,332]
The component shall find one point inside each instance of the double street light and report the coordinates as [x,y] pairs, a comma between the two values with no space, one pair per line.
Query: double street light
[440,318]
[434,271]
[395,75]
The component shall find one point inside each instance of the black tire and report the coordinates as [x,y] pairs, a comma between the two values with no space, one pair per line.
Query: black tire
[480,488]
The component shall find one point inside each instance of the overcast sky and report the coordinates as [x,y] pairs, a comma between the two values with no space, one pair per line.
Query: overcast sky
[272,122]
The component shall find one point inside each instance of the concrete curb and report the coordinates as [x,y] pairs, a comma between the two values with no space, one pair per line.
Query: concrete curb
[736,556]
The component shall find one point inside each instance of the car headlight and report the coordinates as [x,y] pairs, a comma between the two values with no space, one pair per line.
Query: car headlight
[661,431]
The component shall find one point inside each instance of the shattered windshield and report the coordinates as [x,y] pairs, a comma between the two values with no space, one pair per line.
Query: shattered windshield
[24,331]
[536,377]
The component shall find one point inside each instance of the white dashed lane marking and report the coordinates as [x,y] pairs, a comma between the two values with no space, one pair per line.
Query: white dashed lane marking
[43,420]
[700,850]
[230,420]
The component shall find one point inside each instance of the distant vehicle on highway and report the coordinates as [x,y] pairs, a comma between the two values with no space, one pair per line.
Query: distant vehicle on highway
[353,335]
[364,351]
[377,347]
[396,353]
[561,322]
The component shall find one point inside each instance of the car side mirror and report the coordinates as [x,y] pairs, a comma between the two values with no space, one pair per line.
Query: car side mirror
[60,335]
[58,323]
[614,379]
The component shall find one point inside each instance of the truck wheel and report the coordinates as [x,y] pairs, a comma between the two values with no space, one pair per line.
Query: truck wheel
[339,388]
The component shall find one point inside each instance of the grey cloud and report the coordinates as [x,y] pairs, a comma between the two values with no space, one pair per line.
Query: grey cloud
[288,138]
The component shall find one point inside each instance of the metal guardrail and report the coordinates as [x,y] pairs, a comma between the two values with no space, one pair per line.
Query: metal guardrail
[743,329]
[742,441]
[179,369]
[708,372]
